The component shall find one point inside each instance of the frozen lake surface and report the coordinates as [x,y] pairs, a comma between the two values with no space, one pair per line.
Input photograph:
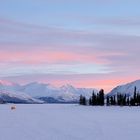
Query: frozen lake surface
[69,122]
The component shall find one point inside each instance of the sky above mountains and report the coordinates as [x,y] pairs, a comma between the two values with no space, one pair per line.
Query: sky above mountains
[92,43]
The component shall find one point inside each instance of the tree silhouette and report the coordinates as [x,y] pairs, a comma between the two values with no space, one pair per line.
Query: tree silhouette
[101,97]
[107,101]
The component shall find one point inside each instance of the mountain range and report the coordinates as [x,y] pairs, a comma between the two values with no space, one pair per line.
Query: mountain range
[41,93]
[36,92]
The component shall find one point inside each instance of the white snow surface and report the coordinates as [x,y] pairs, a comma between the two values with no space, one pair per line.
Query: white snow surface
[68,122]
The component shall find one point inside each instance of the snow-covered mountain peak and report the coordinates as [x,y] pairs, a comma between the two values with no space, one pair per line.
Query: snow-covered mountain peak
[126,88]
[45,92]
[67,87]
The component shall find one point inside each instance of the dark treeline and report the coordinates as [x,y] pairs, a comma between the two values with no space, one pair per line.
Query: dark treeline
[116,100]
[95,99]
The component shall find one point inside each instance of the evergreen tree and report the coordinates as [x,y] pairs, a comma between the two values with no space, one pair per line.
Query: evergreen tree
[128,101]
[101,97]
[94,99]
[118,99]
[135,96]
[84,101]
[90,101]
[138,99]
[111,100]
[81,100]
[98,99]
[107,101]
[114,100]
[124,100]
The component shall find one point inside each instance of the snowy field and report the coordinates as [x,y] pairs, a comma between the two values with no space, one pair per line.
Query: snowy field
[69,122]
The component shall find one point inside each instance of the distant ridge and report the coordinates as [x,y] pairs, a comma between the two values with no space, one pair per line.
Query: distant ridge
[127,89]
[41,93]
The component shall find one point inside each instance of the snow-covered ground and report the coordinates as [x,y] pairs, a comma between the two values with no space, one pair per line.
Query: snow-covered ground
[69,122]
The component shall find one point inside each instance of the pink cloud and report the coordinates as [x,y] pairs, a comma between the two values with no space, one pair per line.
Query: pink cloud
[39,57]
